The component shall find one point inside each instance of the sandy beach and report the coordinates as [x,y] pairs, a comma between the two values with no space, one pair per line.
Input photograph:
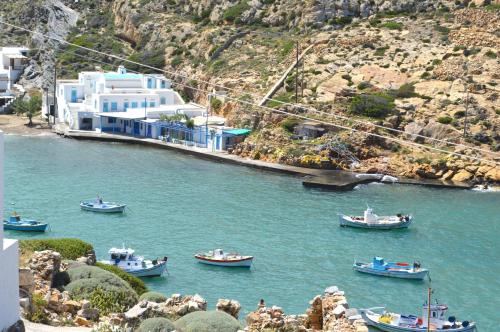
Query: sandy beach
[17,125]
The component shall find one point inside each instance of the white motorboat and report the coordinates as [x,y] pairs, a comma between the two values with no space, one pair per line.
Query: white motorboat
[372,221]
[125,259]
[219,258]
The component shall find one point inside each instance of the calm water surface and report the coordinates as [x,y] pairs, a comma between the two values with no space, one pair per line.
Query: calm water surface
[180,205]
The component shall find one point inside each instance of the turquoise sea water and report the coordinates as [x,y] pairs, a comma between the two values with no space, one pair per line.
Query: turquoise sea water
[180,205]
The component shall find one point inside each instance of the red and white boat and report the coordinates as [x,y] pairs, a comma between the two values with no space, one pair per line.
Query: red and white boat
[218,257]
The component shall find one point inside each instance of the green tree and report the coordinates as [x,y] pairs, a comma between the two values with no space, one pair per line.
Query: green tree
[28,108]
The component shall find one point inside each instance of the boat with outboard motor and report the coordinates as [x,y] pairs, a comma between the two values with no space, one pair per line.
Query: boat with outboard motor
[218,257]
[372,221]
[396,270]
[15,223]
[433,316]
[125,259]
[97,205]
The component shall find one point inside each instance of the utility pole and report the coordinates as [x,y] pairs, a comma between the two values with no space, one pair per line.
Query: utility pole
[55,91]
[297,74]
[209,109]
[467,98]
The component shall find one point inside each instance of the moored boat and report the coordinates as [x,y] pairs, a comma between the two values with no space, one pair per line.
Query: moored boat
[15,223]
[388,269]
[371,221]
[97,205]
[125,259]
[434,317]
[218,257]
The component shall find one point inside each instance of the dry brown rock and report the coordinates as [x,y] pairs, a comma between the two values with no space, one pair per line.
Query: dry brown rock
[80,321]
[462,176]
[493,175]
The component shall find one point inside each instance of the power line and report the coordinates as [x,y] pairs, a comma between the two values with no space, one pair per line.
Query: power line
[257,96]
[264,107]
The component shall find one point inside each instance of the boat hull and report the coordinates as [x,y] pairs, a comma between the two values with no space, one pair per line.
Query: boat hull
[245,262]
[391,328]
[25,228]
[346,221]
[403,274]
[103,208]
[153,271]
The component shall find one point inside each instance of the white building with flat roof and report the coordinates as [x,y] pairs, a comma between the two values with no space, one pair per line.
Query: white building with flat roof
[82,102]
[12,63]
[9,261]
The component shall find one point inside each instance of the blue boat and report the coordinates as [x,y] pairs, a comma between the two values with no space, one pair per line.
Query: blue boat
[395,270]
[15,223]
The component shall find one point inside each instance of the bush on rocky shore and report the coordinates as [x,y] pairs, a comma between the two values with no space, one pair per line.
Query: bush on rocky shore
[137,284]
[157,324]
[105,291]
[207,321]
[69,248]
[153,297]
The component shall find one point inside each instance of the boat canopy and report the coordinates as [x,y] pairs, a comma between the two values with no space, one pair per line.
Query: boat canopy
[378,261]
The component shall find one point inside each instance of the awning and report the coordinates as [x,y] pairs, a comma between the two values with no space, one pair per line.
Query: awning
[237,132]
[15,56]
[123,115]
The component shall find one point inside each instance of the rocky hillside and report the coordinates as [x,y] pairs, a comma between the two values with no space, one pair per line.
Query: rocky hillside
[406,65]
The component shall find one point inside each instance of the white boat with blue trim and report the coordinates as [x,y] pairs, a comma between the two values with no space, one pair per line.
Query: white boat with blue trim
[218,257]
[97,205]
[388,269]
[15,223]
[371,221]
[125,259]
[433,318]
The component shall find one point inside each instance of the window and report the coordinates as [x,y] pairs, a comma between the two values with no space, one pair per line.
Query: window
[105,107]
[95,103]
[125,105]
[143,104]
[163,101]
[73,95]
[150,83]
[134,104]
[162,84]
[114,106]
[152,104]
[111,120]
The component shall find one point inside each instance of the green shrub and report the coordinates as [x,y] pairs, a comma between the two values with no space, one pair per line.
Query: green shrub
[289,124]
[490,54]
[445,119]
[372,105]
[215,104]
[153,297]
[234,12]
[154,58]
[344,20]
[38,315]
[406,90]
[176,61]
[391,25]
[137,284]
[380,51]
[67,247]
[364,85]
[158,324]
[107,297]
[207,321]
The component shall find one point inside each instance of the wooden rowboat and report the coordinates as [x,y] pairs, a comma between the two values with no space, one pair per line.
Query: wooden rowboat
[219,258]
[103,207]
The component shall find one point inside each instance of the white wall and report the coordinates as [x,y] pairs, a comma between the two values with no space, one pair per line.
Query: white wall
[9,263]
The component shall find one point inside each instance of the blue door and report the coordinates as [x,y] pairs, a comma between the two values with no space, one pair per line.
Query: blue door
[105,107]
[125,106]
[149,131]
[74,97]
[217,143]
[150,83]
[136,128]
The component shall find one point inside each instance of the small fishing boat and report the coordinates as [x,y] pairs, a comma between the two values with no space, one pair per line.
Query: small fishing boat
[97,205]
[15,223]
[125,259]
[219,258]
[433,316]
[395,270]
[372,221]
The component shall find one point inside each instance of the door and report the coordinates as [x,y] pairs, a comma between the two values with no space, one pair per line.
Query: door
[217,143]
[136,128]
[149,131]
[74,97]
[105,107]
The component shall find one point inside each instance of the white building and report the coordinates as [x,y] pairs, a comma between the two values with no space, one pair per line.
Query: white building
[12,62]
[9,261]
[87,103]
